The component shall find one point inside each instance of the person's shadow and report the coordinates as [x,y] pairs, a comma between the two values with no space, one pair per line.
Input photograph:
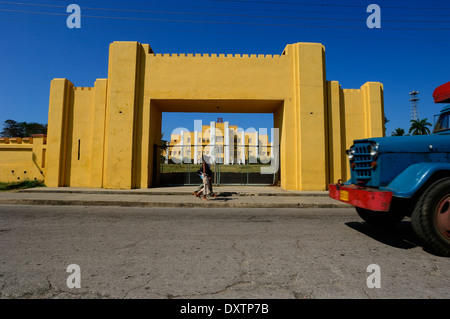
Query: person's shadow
[399,236]
[224,196]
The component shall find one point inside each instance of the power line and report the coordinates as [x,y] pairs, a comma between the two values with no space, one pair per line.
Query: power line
[266,34]
[222,14]
[215,8]
[324,4]
[224,22]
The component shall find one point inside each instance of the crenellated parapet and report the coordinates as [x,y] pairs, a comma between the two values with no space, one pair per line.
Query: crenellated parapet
[214,55]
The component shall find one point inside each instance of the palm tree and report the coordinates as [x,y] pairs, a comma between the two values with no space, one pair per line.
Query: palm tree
[164,148]
[385,122]
[398,132]
[419,127]
[164,143]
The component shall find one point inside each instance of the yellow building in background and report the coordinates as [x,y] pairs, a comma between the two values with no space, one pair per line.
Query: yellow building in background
[104,136]
[221,143]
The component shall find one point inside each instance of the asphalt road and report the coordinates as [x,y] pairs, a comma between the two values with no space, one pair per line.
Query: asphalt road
[210,253]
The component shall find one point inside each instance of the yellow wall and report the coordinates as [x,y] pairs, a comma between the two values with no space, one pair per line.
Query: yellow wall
[352,114]
[76,134]
[118,121]
[23,158]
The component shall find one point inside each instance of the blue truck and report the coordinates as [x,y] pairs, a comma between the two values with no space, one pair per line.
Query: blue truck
[395,177]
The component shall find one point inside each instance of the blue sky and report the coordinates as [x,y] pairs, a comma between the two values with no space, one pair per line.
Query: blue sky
[409,52]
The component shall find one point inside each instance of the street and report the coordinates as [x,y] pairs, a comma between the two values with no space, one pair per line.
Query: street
[210,253]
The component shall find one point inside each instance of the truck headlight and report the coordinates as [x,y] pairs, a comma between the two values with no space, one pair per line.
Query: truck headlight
[350,153]
[373,151]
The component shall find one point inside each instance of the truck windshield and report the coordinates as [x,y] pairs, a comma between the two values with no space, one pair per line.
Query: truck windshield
[443,123]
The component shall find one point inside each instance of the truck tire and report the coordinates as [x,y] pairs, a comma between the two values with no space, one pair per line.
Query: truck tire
[431,217]
[395,214]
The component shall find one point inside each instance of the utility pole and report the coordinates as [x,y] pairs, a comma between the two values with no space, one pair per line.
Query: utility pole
[414,105]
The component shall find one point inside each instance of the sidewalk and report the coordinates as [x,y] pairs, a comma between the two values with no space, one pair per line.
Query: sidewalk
[228,196]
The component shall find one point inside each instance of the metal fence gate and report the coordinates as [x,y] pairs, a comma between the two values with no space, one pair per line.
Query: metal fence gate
[245,164]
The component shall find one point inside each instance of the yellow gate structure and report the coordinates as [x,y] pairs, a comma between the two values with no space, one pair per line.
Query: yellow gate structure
[103,136]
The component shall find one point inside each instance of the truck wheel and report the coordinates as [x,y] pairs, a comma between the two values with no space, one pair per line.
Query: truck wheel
[384,219]
[431,217]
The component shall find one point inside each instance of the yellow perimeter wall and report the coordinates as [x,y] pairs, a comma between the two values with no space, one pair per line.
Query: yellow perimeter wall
[103,136]
[23,158]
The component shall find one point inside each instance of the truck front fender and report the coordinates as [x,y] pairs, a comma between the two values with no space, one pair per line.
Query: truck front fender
[408,182]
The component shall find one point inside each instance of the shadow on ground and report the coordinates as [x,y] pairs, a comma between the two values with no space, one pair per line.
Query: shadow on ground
[226,194]
[221,197]
[398,236]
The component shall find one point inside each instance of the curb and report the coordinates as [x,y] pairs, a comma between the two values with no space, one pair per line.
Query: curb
[209,204]
[163,193]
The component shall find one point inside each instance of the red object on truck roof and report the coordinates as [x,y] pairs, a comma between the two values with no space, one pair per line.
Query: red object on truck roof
[442,93]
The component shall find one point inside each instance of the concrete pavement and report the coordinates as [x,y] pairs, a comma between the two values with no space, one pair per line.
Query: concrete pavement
[228,196]
[202,253]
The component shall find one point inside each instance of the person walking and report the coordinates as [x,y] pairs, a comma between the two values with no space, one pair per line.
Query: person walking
[206,188]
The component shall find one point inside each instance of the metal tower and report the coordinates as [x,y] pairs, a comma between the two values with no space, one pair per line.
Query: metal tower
[414,105]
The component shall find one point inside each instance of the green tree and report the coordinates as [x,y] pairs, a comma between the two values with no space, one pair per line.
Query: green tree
[419,127]
[35,128]
[398,132]
[12,128]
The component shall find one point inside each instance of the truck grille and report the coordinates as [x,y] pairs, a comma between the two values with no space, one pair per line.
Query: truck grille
[362,169]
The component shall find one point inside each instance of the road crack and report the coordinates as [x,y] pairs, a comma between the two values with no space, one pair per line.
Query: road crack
[140,286]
